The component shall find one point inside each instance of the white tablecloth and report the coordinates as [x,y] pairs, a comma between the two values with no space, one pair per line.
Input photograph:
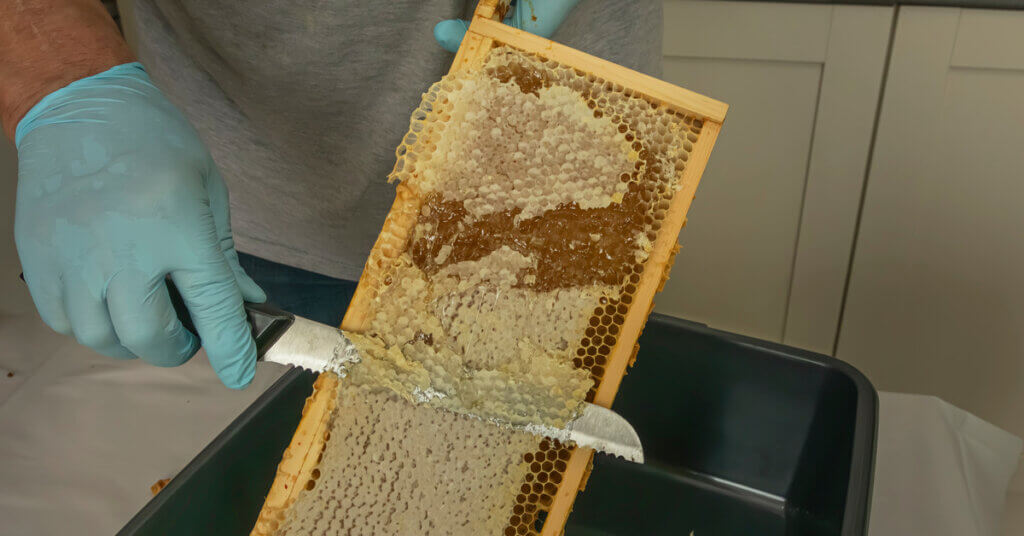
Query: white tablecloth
[940,471]
[82,438]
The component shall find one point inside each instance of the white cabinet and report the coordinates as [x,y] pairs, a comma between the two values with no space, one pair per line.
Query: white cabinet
[916,274]
[767,247]
[936,296]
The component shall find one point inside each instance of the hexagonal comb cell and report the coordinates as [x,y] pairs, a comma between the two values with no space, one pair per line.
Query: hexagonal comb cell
[533,196]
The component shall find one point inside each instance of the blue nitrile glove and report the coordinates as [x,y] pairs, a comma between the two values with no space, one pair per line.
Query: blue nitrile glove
[116,191]
[539,17]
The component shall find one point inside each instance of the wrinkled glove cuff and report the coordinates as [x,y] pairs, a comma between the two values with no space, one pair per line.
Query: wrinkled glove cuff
[40,114]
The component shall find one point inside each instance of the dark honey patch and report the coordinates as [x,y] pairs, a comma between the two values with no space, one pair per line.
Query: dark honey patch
[528,79]
[426,338]
[501,10]
[572,246]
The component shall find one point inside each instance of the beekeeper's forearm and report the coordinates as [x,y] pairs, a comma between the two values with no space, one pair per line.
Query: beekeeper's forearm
[47,44]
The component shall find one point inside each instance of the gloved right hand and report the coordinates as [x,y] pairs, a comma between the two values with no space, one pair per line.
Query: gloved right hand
[539,17]
[115,192]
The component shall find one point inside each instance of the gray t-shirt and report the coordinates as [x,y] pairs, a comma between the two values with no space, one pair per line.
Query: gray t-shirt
[302,103]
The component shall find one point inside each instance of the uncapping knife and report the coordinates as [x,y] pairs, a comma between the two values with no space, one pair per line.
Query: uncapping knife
[284,338]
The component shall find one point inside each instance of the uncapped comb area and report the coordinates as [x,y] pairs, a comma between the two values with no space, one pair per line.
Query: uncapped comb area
[531,197]
[533,387]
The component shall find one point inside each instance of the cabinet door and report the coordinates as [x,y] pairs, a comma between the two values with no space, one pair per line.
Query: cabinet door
[936,295]
[767,249]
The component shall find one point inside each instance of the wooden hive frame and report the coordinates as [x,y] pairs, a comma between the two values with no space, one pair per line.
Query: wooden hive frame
[486,32]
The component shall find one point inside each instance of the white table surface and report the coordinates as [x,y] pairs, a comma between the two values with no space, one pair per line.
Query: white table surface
[82,438]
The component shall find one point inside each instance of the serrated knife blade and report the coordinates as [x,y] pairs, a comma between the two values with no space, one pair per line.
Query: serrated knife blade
[310,345]
[287,339]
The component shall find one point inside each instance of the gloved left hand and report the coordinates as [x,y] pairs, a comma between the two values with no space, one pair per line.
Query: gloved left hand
[539,17]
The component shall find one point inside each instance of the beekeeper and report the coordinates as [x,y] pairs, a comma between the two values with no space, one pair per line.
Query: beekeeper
[125,160]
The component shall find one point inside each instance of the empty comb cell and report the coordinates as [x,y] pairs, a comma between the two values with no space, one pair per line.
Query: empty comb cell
[537,207]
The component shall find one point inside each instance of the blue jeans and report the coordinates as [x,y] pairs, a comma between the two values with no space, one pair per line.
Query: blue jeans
[307,294]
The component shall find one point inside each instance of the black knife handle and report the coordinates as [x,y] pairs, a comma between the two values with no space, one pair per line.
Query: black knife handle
[267,322]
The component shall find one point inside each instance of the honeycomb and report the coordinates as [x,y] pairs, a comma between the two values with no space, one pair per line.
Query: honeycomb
[534,387]
[531,195]
[380,472]
[584,226]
